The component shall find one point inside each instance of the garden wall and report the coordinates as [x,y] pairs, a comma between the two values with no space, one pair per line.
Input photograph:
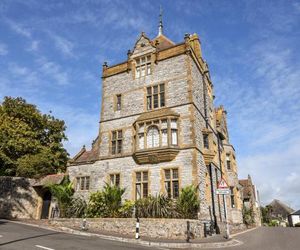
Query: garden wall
[154,228]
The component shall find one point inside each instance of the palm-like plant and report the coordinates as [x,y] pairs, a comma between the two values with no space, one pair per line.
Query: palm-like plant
[188,202]
[63,193]
[113,199]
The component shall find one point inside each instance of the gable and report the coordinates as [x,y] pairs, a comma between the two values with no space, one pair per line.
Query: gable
[142,46]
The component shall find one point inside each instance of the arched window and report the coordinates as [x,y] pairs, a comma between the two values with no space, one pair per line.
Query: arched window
[152,137]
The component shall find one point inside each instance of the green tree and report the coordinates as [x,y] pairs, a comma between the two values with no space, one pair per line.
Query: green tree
[30,142]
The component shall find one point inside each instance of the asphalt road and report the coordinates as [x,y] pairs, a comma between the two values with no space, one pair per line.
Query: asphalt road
[21,237]
[270,238]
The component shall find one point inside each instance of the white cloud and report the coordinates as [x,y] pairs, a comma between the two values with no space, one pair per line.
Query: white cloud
[18,28]
[63,45]
[3,49]
[34,45]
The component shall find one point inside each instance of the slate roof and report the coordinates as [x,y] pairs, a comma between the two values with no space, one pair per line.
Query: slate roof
[85,156]
[279,208]
[163,42]
[296,213]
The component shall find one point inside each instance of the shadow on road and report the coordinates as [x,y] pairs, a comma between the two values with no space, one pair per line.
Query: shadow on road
[27,238]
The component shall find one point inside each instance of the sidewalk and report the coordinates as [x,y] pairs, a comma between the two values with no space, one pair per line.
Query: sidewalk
[217,241]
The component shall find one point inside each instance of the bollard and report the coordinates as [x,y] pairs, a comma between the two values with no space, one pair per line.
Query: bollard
[188,231]
[137,229]
[205,229]
[83,226]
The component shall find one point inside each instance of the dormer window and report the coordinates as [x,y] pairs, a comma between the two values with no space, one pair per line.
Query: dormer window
[143,66]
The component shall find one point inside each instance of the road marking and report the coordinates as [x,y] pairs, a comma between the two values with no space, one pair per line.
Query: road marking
[47,248]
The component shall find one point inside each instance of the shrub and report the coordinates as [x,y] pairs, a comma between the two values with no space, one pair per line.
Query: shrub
[126,210]
[159,206]
[77,208]
[188,203]
[106,203]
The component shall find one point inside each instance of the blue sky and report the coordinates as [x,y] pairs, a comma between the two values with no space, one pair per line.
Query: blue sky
[51,53]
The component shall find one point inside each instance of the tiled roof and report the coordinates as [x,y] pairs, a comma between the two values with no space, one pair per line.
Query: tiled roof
[85,156]
[162,42]
[247,187]
[296,213]
[278,207]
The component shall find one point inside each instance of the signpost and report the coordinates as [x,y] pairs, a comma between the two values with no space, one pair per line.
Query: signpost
[223,189]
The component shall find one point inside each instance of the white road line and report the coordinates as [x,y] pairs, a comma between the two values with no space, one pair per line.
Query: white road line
[47,248]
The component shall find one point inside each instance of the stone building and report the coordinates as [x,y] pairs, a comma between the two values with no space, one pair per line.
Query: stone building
[159,130]
[250,198]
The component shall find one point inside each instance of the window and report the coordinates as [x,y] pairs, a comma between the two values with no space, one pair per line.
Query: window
[157,133]
[83,183]
[118,102]
[114,179]
[156,96]
[143,66]
[232,197]
[205,141]
[171,183]
[174,132]
[228,161]
[141,185]
[116,142]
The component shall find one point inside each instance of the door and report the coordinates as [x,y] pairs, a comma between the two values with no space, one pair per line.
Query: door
[46,205]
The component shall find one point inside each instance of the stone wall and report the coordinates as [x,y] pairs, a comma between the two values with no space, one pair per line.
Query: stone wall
[154,228]
[18,199]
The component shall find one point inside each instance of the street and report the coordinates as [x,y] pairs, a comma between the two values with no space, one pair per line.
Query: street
[270,238]
[17,236]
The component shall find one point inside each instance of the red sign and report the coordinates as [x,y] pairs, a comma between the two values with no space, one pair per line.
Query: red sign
[222,184]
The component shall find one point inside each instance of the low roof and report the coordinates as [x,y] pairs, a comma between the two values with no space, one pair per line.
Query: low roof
[49,179]
[296,213]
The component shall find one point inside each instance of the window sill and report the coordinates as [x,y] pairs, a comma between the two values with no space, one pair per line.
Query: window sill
[156,155]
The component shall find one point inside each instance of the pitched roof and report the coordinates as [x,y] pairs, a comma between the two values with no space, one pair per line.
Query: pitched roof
[278,207]
[296,213]
[85,156]
[162,42]
[247,187]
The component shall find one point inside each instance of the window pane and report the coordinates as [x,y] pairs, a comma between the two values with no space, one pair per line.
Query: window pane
[175,173]
[174,123]
[168,188]
[114,135]
[174,137]
[164,137]
[87,183]
[148,69]
[112,180]
[141,141]
[205,141]
[162,87]
[175,189]
[117,180]
[143,71]
[155,89]
[137,73]
[164,124]
[138,176]
[82,183]
[138,61]
[138,191]
[120,134]
[119,146]
[77,183]
[149,105]
[141,128]
[155,101]
[118,102]
[162,99]
[145,189]
[149,92]
[113,147]
[152,137]
[167,174]
[145,176]
[143,59]
[148,58]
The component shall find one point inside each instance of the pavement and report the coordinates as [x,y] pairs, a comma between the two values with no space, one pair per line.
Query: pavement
[19,235]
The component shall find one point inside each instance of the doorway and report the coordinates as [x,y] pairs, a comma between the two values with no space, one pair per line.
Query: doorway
[46,205]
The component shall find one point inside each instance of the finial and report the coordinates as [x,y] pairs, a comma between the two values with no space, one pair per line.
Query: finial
[160,26]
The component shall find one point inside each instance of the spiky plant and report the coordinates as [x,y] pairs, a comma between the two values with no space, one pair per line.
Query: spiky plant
[188,203]
[77,208]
